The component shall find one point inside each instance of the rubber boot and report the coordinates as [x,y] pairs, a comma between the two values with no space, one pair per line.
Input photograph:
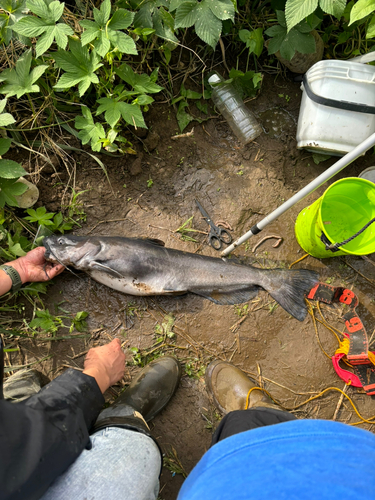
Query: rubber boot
[149,392]
[22,385]
[229,386]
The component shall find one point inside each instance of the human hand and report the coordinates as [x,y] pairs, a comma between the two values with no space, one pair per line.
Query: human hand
[34,267]
[106,364]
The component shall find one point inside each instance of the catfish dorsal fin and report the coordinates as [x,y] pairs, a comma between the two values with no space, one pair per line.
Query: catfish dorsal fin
[155,241]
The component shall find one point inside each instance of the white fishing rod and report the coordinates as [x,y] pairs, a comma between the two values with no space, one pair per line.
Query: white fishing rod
[310,188]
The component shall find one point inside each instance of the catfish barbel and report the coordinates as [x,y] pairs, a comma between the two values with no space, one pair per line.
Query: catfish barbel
[146,267]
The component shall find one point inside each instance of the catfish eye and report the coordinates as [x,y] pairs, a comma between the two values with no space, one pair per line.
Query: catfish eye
[60,241]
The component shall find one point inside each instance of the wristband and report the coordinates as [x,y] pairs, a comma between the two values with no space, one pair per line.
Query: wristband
[14,276]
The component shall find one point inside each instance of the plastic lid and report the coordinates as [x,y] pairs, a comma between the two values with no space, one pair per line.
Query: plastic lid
[368,174]
[214,79]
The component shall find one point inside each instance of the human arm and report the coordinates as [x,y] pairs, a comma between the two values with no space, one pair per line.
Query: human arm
[41,437]
[31,268]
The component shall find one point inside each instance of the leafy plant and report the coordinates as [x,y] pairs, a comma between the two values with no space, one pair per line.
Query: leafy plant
[80,66]
[253,40]
[20,80]
[248,84]
[104,32]
[10,171]
[54,222]
[13,11]
[288,41]
[45,24]
[206,17]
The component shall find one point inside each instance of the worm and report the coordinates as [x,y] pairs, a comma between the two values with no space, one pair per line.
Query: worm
[278,243]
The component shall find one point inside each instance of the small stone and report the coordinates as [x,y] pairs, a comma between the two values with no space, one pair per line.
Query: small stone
[152,140]
[136,167]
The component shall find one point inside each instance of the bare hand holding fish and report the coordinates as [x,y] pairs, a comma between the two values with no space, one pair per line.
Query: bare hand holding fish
[145,267]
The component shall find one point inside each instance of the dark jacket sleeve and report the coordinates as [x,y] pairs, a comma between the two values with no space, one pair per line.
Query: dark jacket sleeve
[42,436]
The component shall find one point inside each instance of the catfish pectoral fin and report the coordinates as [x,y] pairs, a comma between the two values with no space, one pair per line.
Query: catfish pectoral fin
[109,270]
[228,298]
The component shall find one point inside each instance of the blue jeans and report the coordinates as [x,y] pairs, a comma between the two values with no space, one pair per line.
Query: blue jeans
[122,464]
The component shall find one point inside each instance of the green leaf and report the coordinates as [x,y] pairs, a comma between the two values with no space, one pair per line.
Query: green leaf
[121,19]
[102,16]
[318,158]
[5,145]
[6,119]
[10,169]
[89,131]
[370,33]
[334,7]
[143,18]
[80,66]
[141,83]
[19,79]
[186,14]
[124,43]
[40,215]
[297,10]
[174,4]
[253,40]
[223,9]
[114,109]
[289,43]
[208,26]
[361,9]
[183,118]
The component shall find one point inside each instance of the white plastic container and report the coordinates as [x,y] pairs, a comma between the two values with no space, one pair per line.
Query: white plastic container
[368,174]
[240,119]
[338,107]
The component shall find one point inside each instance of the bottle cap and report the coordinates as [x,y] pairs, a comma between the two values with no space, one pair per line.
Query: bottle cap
[214,79]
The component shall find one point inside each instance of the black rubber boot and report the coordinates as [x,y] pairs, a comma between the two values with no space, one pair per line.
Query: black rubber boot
[149,392]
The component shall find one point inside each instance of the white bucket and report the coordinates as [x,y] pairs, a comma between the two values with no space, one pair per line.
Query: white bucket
[338,107]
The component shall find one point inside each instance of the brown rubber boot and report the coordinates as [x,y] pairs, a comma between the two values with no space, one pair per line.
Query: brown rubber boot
[229,386]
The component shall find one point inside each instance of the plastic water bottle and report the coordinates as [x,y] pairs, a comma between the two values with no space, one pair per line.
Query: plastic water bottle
[240,119]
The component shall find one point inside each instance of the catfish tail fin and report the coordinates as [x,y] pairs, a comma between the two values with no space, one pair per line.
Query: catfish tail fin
[293,285]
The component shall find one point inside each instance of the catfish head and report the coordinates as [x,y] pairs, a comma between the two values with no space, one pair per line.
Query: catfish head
[76,251]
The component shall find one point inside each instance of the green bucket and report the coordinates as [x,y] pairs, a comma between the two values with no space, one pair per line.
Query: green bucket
[344,208]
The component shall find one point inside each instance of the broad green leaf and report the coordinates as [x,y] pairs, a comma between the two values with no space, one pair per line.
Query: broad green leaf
[102,44]
[164,27]
[124,43]
[253,40]
[9,189]
[114,110]
[102,16]
[6,119]
[144,100]
[140,83]
[334,7]
[361,9]
[222,9]
[183,118]
[29,26]
[304,43]
[20,80]
[174,4]
[5,145]
[370,33]
[10,169]
[80,66]
[121,19]
[208,26]
[186,14]
[297,10]
[143,18]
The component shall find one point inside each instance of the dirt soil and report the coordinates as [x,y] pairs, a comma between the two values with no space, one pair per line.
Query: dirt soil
[237,185]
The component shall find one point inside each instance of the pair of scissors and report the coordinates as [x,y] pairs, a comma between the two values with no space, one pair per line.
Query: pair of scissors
[217,235]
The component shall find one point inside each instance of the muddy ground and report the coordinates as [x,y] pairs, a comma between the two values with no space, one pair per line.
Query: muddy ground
[238,185]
